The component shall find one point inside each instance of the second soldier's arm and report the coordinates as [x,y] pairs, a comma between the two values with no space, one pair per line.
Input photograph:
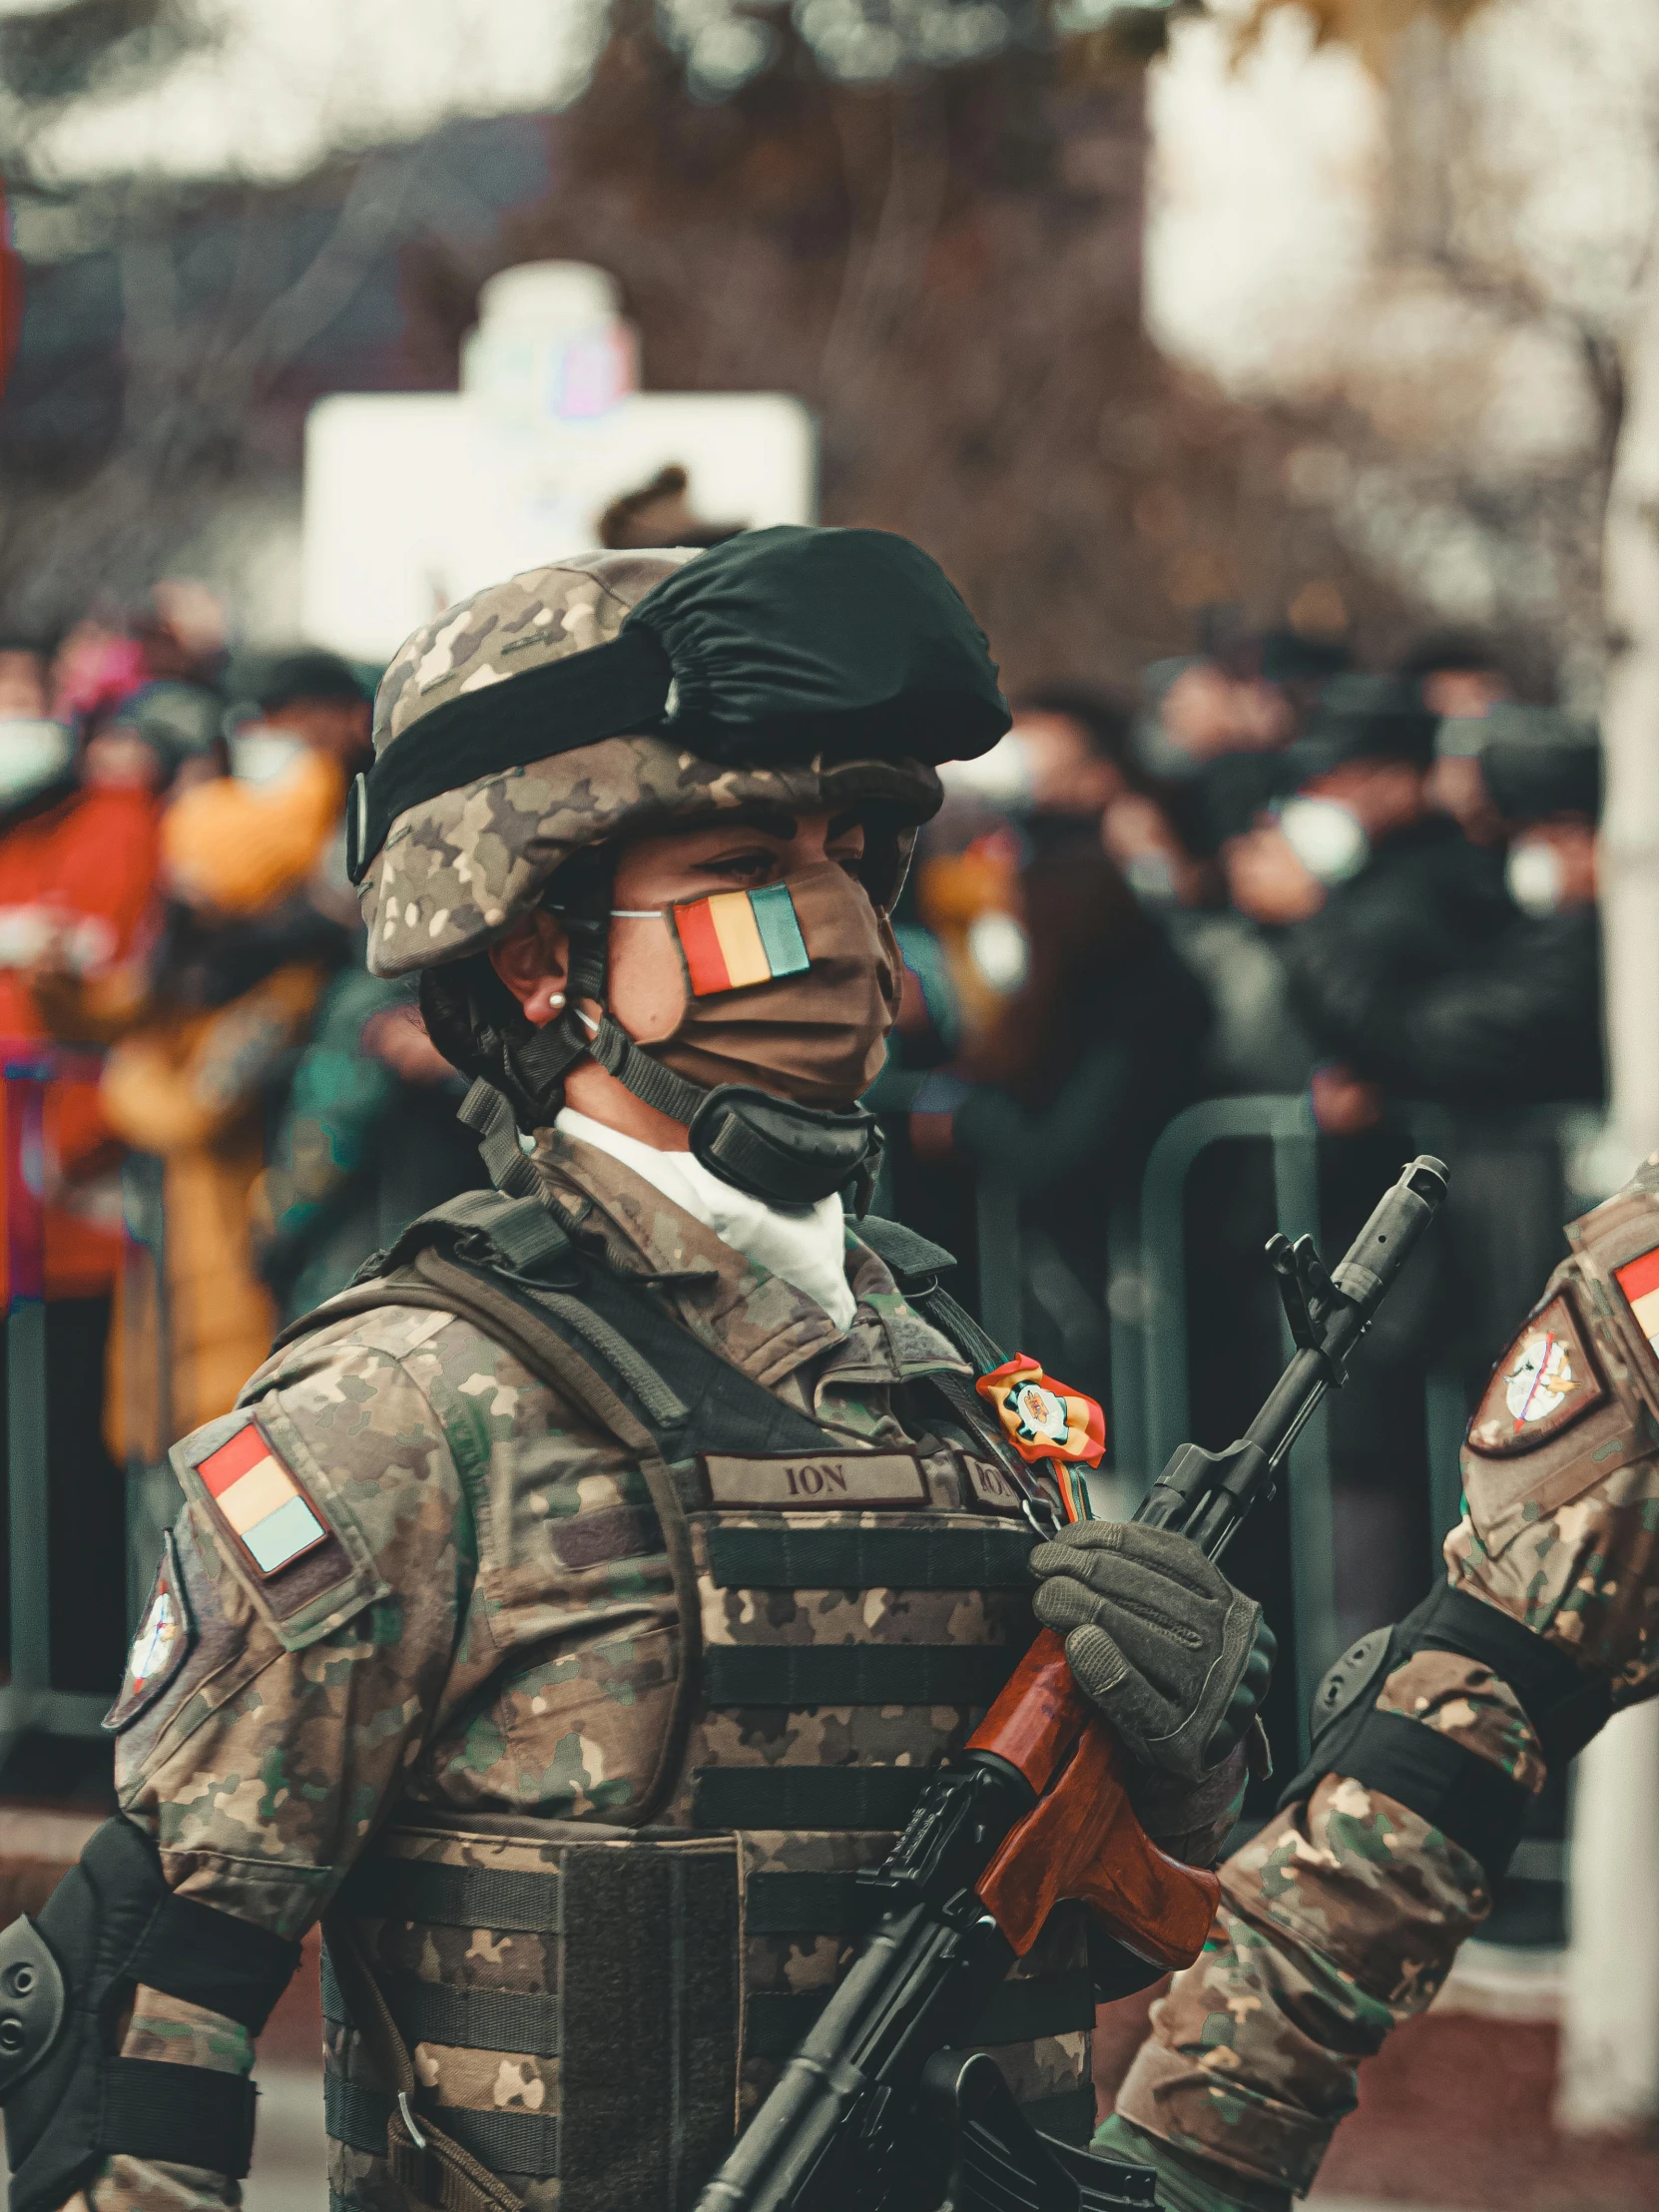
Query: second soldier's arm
[1344,1916]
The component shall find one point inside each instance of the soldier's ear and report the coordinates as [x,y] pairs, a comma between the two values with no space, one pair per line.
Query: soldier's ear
[533,959]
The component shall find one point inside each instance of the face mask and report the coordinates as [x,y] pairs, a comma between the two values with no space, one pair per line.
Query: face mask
[1151,877]
[262,754]
[33,757]
[1326,837]
[791,987]
[1534,875]
[1000,777]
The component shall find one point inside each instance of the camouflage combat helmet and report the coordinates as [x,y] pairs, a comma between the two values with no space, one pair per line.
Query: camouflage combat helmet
[537,742]
[522,732]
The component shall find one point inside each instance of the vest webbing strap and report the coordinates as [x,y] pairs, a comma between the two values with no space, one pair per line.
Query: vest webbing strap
[1014,2013]
[806,1797]
[773,2021]
[470,2019]
[437,2169]
[455,1897]
[797,1674]
[649,1966]
[791,1558]
[806,1905]
[416,1889]
[524,2145]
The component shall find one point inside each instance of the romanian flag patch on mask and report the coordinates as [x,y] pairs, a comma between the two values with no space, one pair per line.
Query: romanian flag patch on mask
[738,938]
[260,1501]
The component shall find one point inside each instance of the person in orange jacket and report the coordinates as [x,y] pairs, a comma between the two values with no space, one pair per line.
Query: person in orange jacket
[78,864]
[201,1032]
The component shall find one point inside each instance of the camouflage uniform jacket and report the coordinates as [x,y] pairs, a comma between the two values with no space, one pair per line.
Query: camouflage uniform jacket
[489,1643]
[1343,1916]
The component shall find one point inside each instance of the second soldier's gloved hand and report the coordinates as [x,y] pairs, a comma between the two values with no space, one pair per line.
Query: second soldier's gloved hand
[1158,1638]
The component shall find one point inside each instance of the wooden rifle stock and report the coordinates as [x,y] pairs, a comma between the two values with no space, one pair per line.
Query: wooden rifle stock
[854,2119]
[1081,1839]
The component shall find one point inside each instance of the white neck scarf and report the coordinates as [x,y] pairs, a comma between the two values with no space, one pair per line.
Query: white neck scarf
[807,1245]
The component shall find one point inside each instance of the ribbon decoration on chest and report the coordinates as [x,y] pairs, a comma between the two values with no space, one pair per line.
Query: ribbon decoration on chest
[1048,1426]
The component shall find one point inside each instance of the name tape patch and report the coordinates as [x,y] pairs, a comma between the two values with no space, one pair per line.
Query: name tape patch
[260,1501]
[992,1486]
[847,1478]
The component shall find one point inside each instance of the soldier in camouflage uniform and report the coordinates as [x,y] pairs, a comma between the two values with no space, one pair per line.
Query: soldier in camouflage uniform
[1343,1917]
[568,1609]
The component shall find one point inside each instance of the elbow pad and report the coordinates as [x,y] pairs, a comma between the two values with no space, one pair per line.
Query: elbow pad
[66,1981]
[1466,1797]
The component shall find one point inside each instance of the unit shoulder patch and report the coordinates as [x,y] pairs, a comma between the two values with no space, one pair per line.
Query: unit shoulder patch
[1545,1382]
[166,1639]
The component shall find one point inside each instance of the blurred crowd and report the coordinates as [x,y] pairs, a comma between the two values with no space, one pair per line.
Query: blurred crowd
[1276,873]
[238,1113]
[1272,872]
[1269,873]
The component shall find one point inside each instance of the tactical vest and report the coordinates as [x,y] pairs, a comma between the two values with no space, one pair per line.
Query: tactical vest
[590,2012]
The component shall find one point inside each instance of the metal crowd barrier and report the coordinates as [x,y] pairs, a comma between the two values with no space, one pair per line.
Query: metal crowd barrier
[1146,1294]
[1150,1352]
[1287,1125]
[28,1702]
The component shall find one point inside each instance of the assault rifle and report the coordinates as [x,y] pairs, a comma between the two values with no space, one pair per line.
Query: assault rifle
[879,2109]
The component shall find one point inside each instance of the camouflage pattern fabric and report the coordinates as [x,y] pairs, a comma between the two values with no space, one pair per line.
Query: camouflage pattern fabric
[504,1645]
[1343,1917]
[456,868]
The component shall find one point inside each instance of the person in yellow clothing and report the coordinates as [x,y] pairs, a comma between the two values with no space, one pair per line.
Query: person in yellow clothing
[201,1032]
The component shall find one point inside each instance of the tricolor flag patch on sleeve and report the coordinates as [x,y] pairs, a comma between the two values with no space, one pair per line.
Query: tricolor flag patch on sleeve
[737,938]
[1639,1281]
[260,1501]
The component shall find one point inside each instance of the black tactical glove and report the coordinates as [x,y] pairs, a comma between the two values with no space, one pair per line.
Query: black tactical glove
[1158,1638]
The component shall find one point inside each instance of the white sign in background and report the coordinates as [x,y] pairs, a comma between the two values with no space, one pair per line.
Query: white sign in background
[414,500]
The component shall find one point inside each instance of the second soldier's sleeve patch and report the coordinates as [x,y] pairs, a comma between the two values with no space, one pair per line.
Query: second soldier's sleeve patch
[1545,1382]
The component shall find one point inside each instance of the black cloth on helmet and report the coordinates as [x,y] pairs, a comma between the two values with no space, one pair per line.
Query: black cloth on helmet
[775,646]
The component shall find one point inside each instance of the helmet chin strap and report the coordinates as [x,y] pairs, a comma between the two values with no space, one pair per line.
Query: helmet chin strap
[773,1149]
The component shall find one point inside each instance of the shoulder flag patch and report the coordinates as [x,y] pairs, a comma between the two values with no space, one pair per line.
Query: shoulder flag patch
[260,1501]
[1639,1281]
[736,938]
[1542,1384]
[165,1638]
